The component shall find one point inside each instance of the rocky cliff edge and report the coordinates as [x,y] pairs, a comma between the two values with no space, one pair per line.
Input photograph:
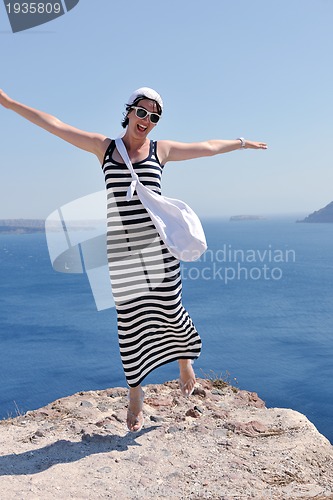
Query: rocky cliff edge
[221,443]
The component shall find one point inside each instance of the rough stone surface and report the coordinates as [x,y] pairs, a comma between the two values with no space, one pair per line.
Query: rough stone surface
[221,444]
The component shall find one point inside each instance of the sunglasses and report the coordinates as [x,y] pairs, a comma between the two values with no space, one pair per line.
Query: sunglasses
[142,113]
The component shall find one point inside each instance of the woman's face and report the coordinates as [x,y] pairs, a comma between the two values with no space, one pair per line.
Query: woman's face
[141,127]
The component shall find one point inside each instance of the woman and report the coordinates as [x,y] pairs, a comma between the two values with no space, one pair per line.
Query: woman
[153,326]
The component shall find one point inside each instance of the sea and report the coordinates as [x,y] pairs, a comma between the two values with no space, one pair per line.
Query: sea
[261,298]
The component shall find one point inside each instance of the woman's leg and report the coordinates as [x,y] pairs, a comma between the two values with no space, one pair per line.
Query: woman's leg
[186,377]
[134,412]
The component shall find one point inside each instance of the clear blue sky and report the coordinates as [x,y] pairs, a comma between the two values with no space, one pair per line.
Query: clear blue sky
[258,69]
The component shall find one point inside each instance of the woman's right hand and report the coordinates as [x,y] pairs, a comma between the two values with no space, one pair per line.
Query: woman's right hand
[5,100]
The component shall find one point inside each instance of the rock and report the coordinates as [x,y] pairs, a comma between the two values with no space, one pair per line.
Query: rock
[174,429]
[193,412]
[221,433]
[199,392]
[156,418]
[221,415]
[120,416]
[217,392]
[210,445]
[249,398]
[251,429]
[205,384]
[199,409]
[104,422]
[103,408]
[105,470]
[115,393]
[86,404]
[158,401]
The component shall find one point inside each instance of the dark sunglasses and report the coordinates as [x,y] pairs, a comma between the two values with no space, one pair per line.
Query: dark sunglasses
[142,113]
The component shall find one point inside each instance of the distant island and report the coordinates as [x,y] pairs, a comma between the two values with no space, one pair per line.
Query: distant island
[323,215]
[236,218]
[22,226]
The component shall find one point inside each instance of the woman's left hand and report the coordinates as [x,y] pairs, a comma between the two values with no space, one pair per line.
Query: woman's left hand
[255,145]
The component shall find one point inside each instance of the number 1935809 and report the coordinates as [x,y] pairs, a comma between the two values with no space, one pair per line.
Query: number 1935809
[33,8]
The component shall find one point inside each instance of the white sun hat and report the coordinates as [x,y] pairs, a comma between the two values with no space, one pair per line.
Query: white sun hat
[148,93]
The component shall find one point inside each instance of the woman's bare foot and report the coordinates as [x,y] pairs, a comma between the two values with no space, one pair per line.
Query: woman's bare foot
[134,412]
[186,377]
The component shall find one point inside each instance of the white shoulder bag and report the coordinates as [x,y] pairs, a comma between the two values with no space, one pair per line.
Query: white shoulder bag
[178,226]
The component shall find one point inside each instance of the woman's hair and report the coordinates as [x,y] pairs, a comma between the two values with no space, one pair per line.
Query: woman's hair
[124,123]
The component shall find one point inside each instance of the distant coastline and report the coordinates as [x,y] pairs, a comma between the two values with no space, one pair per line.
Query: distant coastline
[22,226]
[30,226]
[323,215]
[236,218]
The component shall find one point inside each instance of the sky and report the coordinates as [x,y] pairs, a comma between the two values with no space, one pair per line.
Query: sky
[261,70]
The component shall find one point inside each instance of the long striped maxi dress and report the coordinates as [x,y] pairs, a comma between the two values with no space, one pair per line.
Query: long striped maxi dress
[153,326]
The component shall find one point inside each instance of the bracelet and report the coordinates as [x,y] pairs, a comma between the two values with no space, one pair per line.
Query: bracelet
[242,141]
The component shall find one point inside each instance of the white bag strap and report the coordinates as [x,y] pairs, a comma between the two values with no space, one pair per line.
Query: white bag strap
[123,153]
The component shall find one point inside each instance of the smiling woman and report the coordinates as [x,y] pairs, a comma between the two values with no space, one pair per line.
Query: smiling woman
[142,118]
[153,326]
[151,99]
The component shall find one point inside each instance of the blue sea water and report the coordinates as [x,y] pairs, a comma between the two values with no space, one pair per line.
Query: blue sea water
[261,298]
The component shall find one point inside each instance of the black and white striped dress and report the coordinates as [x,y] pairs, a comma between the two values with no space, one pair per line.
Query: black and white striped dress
[153,326]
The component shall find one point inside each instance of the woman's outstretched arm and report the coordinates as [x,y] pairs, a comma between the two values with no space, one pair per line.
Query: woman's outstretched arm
[92,142]
[178,151]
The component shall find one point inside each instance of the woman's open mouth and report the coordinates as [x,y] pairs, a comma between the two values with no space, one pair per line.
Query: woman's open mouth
[141,128]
